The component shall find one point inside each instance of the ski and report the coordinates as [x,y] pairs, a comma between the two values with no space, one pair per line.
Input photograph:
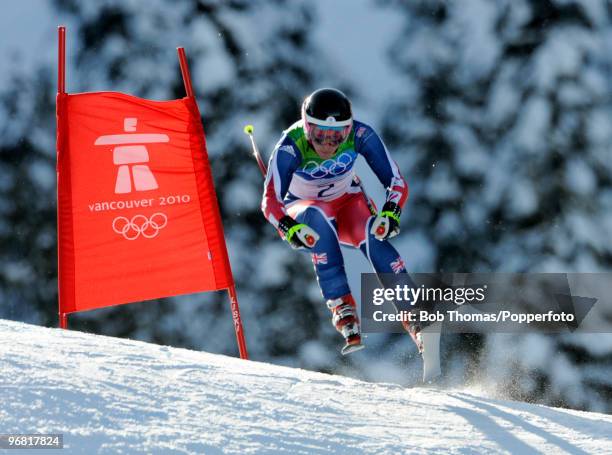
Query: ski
[430,351]
[349,348]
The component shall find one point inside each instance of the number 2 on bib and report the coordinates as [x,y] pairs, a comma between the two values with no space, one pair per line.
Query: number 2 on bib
[327,188]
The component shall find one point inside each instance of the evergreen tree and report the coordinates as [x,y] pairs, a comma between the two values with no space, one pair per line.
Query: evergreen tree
[507,153]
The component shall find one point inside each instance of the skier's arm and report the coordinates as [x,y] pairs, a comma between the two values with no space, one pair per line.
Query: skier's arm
[369,144]
[284,160]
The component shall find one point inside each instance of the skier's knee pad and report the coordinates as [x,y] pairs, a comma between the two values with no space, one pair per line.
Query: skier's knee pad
[382,255]
[316,219]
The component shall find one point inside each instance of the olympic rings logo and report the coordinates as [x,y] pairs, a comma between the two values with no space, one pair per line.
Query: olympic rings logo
[140,225]
[328,167]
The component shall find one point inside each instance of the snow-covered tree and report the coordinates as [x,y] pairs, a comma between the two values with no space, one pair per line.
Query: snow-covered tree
[504,123]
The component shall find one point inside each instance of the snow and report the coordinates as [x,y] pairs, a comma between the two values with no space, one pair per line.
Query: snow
[599,127]
[353,37]
[533,124]
[520,129]
[580,177]
[522,198]
[482,49]
[442,185]
[560,56]
[240,195]
[110,395]
[203,76]
[25,35]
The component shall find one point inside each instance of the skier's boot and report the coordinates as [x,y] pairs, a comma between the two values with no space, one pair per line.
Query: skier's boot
[344,318]
[414,329]
[428,344]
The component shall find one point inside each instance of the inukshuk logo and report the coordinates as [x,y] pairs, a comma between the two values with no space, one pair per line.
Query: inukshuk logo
[131,155]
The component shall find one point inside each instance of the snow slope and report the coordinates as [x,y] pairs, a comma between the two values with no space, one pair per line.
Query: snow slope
[110,395]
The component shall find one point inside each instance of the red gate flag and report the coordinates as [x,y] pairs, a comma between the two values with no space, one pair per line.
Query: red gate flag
[138,217]
[138,214]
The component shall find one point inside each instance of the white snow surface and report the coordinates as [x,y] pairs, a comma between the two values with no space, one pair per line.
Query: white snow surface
[111,395]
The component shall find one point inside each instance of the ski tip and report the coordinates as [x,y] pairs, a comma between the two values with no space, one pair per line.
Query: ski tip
[349,348]
[248,129]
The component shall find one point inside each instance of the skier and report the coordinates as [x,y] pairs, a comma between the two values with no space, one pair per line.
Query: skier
[313,198]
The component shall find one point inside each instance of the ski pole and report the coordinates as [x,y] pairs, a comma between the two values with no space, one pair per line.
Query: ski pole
[381,229]
[357,180]
[249,131]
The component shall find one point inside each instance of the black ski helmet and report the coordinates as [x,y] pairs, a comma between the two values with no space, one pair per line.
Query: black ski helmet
[327,107]
[327,117]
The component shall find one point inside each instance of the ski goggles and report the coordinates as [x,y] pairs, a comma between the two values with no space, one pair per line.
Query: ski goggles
[328,135]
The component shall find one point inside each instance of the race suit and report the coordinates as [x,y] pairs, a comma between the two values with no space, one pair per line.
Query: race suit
[322,194]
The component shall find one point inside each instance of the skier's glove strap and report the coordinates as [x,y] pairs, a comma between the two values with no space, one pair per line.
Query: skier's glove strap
[298,235]
[387,223]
